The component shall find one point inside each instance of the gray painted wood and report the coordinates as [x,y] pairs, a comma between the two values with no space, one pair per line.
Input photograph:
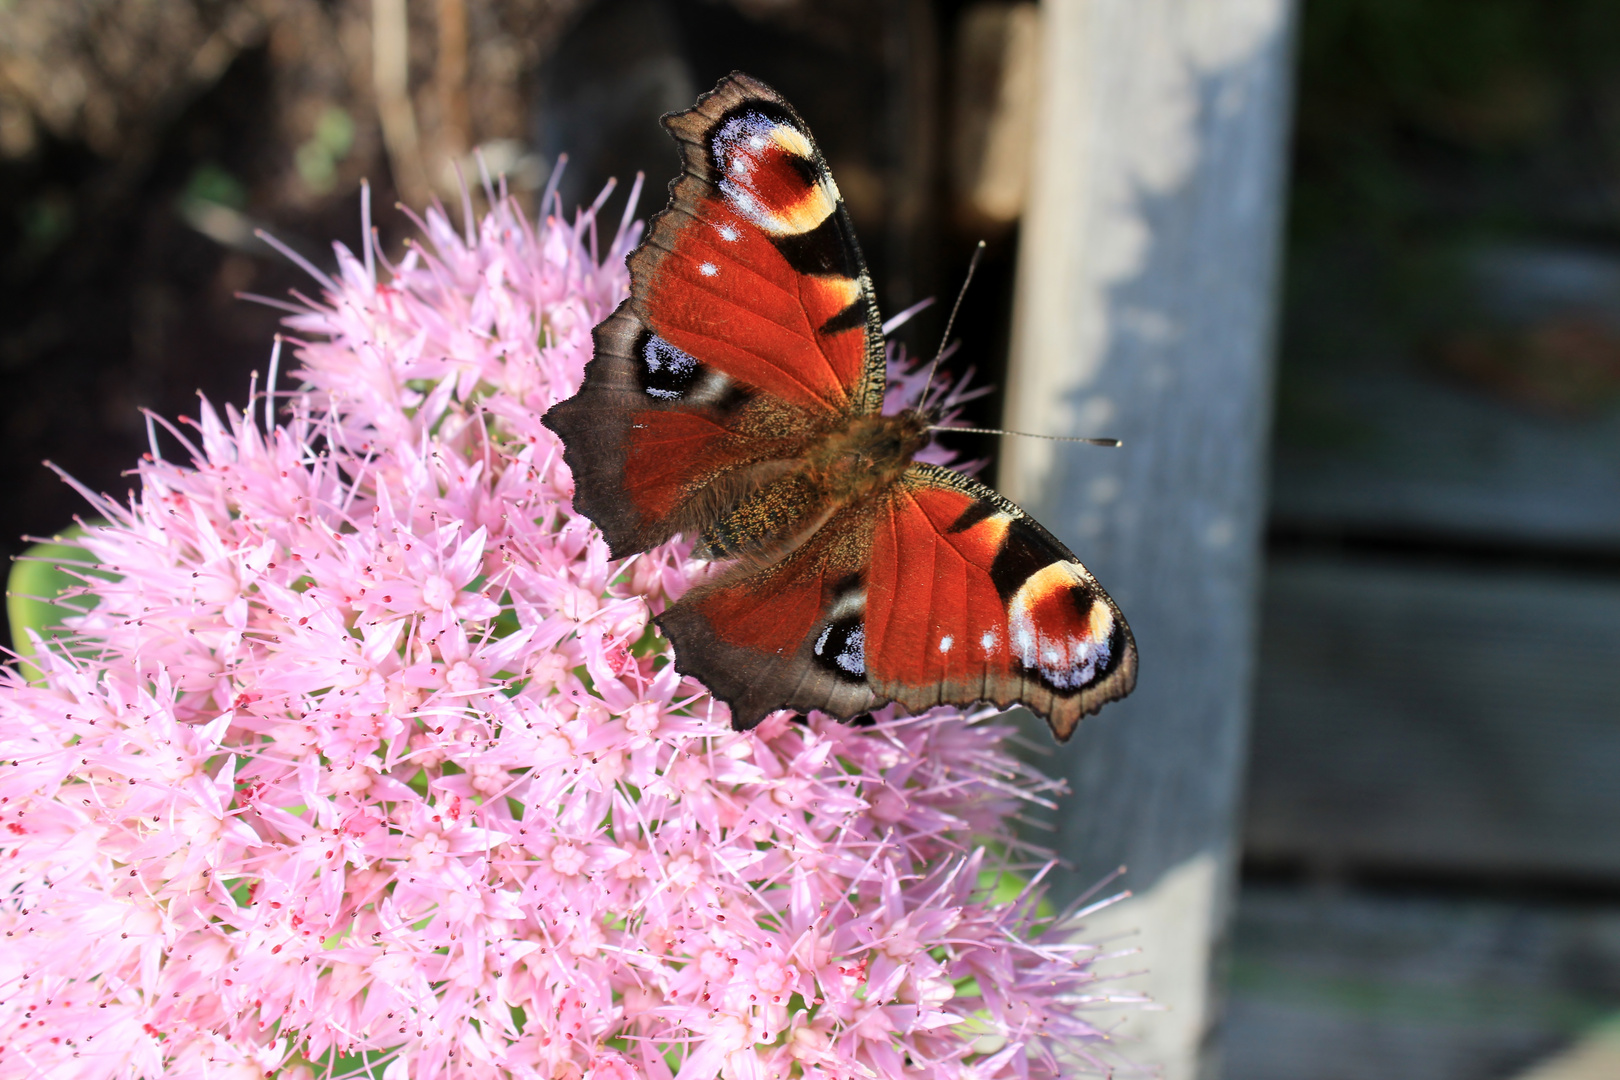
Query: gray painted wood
[1374,435]
[1431,719]
[1145,308]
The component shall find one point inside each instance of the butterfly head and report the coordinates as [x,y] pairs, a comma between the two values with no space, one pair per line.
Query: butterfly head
[930,409]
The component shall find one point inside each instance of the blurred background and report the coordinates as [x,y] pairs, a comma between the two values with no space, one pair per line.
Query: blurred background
[1429,825]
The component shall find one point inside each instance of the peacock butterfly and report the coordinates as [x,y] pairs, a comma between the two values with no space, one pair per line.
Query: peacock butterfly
[736,396]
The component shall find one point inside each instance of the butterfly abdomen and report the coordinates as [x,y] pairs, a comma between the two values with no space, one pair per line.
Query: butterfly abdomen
[840,466]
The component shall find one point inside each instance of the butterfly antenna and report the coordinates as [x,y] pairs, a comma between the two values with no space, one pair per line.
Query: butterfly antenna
[928,383]
[1025,435]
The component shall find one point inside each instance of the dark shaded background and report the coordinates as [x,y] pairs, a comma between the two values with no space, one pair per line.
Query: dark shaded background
[1432,879]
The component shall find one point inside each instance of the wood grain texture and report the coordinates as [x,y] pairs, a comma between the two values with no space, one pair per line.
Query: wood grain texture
[1144,311]
[1393,449]
[1432,719]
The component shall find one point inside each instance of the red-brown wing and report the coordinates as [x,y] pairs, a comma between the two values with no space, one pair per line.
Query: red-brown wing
[659,443]
[750,329]
[755,268]
[933,591]
[969,599]
[787,635]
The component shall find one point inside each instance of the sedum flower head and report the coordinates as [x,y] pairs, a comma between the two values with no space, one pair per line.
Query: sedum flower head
[368,761]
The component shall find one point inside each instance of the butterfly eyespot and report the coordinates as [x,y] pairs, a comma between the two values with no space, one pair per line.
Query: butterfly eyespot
[667,373]
[1059,630]
[794,195]
[841,648]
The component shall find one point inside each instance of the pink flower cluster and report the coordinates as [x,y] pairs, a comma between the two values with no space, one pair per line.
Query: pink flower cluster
[371,763]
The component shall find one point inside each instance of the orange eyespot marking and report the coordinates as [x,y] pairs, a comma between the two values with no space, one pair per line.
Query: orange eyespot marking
[1049,582]
[1049,636]
[770,176]
[801,215]
[836,293]
[991,532]
[1101,621]
[792,141]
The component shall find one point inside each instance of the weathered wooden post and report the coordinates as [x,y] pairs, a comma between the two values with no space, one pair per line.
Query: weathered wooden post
[1146,287]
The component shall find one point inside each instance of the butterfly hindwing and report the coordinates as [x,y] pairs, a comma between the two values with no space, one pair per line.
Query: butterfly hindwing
[750,328]
[970,599]
[788,635]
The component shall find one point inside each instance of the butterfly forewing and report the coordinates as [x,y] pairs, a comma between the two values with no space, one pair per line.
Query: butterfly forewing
[755,266]
[934,591]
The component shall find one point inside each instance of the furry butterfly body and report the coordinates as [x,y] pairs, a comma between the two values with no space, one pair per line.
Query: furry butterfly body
[736,396]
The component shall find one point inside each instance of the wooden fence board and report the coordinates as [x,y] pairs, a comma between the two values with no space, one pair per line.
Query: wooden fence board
[1420,455]
[1144,311]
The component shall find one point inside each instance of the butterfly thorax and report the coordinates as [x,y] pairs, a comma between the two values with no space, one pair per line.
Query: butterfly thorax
[842,466]
[864,454]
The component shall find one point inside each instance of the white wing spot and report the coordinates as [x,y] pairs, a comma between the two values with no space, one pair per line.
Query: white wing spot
[708,269]
[988,642]
[852,657]
[727,232]
[945,643]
